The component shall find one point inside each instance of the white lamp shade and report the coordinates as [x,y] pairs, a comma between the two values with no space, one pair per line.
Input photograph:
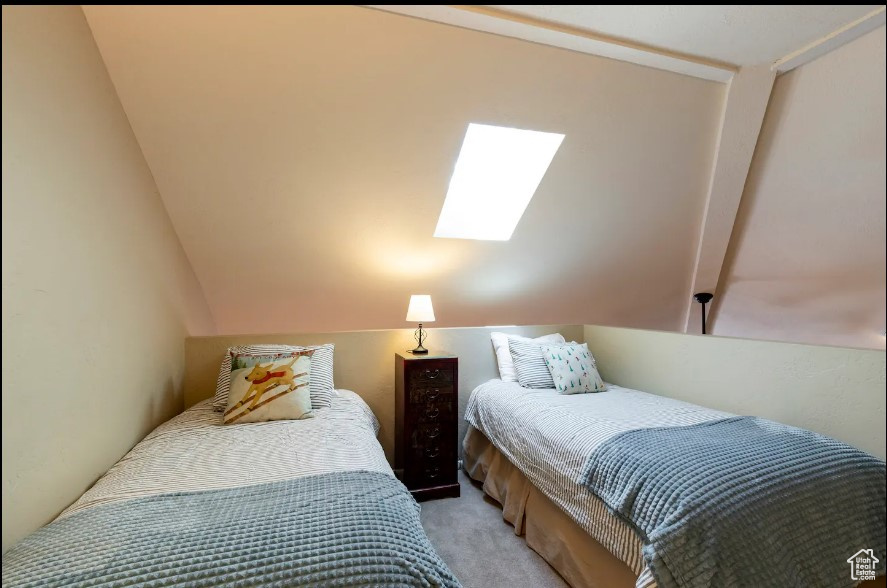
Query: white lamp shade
[420,310]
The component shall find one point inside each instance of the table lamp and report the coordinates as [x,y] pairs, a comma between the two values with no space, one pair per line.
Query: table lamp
[420,311]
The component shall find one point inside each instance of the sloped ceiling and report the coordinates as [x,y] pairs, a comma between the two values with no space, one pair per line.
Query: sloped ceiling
[734,34]
[304,153]
[807,259]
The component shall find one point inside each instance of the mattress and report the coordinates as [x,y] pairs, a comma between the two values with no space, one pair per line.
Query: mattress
[548,437]
[194,451]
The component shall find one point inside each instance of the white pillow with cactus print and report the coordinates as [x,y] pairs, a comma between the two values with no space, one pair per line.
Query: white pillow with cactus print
[572,368]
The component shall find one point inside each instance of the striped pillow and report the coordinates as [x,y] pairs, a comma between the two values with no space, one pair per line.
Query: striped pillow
[503,355]
[532,372]
[321,385]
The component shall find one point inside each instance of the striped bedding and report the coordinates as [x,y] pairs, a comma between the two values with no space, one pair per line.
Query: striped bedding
[549,436]
[194,451]
[285,503]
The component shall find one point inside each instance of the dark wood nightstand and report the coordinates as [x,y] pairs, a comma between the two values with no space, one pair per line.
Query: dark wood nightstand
[426,423]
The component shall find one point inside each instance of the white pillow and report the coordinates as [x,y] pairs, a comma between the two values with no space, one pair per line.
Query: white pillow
[271,391]
[572,368]
[322,389]
[503,353]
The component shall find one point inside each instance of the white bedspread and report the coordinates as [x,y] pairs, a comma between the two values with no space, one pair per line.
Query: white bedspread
[195,451]
[548,436]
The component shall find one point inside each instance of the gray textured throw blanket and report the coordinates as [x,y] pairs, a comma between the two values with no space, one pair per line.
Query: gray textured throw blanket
[744,502]
[339,529]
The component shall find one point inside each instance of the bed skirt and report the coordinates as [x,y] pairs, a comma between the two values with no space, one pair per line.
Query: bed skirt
[548,530]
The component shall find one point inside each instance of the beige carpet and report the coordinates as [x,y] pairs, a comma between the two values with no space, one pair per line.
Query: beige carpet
[481,548]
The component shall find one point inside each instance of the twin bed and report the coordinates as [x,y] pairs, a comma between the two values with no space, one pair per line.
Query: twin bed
[291,503]
[546,437]
[538,453]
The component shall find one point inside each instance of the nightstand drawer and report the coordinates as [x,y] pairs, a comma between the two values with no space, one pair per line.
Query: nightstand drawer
[433,465]
[433,451]
[432,375]
[427,435]
[420,394]
[425,448]
[433,412]
[438,471]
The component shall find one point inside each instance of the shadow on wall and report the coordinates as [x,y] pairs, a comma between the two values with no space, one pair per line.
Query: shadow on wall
[807,259]
[162,405]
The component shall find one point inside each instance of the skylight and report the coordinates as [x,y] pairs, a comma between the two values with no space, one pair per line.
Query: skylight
[496,175]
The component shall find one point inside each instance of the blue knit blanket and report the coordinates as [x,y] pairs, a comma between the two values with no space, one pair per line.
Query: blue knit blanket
[339,529]
[743,502]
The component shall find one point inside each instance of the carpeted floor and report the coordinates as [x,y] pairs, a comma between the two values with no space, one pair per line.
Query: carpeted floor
[479,546]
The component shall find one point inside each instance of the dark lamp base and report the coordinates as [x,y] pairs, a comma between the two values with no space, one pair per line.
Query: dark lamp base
[420,336]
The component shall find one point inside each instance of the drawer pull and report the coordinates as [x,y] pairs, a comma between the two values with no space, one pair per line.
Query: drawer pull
[432,452]
[432,472]
[432,412]
[432,394]
[431,375]
[434,433]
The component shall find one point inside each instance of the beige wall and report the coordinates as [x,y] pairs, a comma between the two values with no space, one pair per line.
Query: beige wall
[831,390]
[97,292]
[806,261]
[364,362]
[815,387]
[304,154]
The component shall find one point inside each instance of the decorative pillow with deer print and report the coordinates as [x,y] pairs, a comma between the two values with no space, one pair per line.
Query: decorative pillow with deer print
[572,368]
[269,388]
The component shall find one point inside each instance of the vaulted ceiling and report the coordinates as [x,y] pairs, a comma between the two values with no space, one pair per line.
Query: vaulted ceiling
[304,153]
